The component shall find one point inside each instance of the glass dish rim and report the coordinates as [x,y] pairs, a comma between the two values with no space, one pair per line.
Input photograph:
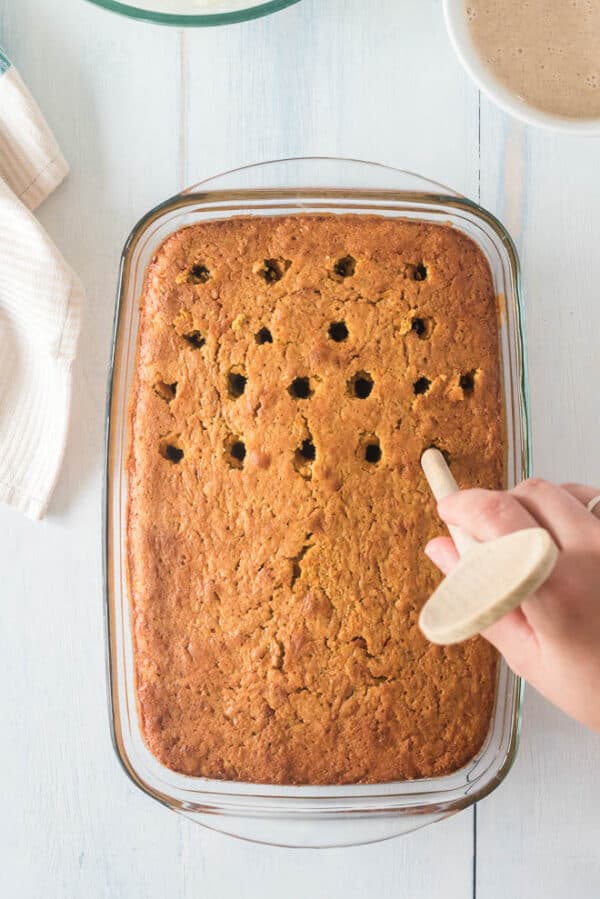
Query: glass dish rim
[195,20]
[202,192]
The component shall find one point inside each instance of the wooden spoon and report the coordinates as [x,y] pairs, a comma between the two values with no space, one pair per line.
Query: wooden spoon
[491,578]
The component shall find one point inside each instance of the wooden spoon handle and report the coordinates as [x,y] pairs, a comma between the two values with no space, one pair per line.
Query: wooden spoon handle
[442,483]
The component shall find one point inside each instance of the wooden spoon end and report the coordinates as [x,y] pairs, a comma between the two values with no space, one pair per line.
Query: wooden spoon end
[490,580]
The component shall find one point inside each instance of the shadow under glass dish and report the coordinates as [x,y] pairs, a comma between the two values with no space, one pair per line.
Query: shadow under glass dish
[284,815]
[194,13]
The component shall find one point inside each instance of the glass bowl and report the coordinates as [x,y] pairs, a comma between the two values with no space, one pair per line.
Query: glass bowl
[455,14]
[185,13]
[283,815]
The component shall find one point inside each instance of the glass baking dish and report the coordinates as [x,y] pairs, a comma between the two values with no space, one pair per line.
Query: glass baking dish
[304,816]
[195,13]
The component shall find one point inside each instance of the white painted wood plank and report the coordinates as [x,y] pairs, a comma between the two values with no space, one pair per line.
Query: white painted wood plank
[72,825]
[428,864]
[538,835]
[370,81]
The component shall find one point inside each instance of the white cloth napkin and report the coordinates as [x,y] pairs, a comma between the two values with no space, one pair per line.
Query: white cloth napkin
[40,306]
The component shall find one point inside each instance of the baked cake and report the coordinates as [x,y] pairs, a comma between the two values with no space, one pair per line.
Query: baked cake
[290,371]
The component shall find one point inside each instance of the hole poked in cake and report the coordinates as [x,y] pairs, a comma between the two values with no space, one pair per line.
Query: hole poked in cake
[420,272]
[236,382]
[467,381]
[170,451]
[369,449]
[372,453]
[273,270]
[422,327]
[263,336]
[195,339]
[338,331]
[301,389]
[360,385]
[235,451]
[238,450]
[304,457]
[345,267]
[421,385]
[198,274]
[165,391]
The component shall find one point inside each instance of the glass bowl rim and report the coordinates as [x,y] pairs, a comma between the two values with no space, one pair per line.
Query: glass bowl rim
[195,20]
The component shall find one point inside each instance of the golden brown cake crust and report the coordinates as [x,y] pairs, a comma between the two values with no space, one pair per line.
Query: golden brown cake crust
[275,596]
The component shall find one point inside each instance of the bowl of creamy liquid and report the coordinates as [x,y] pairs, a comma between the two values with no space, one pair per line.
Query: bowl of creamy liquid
[194,12]
[538,59]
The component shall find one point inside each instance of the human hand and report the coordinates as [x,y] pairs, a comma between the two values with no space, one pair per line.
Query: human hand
[553,639]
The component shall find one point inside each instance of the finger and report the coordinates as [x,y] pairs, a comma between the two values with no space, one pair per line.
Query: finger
[584,494]
[564,517]
[514,638]
[442,553]
[485,514]
[554,610]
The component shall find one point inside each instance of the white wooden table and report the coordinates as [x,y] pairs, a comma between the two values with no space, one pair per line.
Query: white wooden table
[140,112]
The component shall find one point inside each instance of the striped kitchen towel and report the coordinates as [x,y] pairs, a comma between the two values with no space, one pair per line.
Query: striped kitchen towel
[40,306]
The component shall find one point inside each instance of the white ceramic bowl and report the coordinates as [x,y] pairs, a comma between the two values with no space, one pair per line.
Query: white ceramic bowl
[458,29]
